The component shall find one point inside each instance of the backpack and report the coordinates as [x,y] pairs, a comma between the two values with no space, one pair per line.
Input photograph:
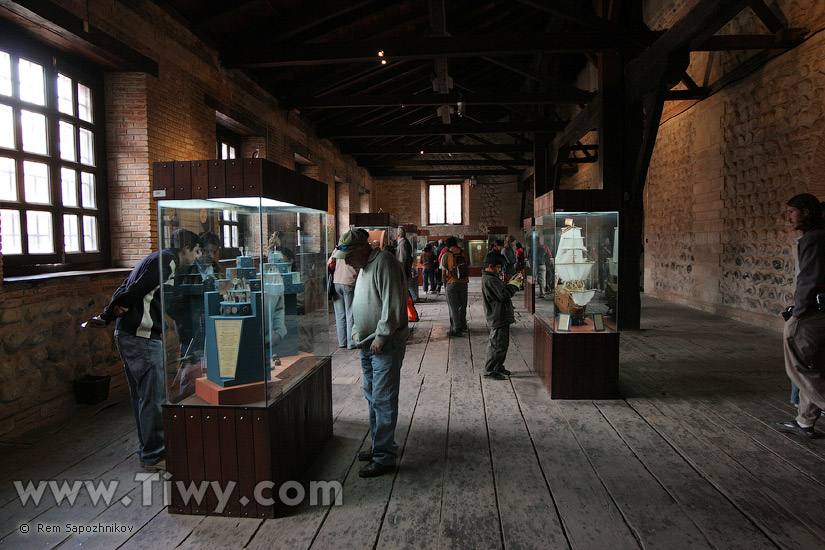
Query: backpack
[460,268]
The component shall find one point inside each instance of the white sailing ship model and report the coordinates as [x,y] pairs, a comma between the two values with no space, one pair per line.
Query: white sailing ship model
[573,268]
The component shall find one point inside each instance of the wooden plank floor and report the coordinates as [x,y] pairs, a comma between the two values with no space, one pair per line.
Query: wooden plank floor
[686,460]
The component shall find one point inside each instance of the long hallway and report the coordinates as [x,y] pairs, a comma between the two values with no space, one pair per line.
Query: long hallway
[686,460]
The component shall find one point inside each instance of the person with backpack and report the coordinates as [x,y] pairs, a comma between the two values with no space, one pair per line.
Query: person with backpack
[498,309]
[455,270]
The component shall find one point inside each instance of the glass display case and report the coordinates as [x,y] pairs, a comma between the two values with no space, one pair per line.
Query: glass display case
[576,337]
[574,262]
[244,329]
[528,242]
[246,334]
[382,227]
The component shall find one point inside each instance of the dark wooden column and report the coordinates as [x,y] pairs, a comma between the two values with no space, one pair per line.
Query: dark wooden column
[541,162]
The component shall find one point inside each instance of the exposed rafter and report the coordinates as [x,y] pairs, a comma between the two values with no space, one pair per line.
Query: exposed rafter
[286,54]
[441,129]
[572,96]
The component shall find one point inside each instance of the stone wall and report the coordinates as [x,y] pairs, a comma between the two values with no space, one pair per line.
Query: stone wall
[44,349]
[718,182]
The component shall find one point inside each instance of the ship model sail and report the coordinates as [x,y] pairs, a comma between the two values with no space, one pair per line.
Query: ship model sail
[573,268]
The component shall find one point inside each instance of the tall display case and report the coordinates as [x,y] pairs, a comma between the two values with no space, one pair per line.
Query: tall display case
[576,347]
[476,247]
[247,337]
[530,271]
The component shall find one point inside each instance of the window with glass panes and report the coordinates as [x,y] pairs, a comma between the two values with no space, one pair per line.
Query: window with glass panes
[445,203]
[230,232]
[50,176]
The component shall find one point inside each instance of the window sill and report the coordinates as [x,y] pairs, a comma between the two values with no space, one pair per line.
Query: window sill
[65,274]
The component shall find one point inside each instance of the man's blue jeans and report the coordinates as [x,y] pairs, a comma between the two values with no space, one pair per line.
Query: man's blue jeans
[382,377]
[342,304]
[143,360]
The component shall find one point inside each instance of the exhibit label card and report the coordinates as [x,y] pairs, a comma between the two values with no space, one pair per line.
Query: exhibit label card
[228,335]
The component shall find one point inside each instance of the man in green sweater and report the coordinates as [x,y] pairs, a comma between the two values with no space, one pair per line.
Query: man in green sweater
[498,308]
[380,327]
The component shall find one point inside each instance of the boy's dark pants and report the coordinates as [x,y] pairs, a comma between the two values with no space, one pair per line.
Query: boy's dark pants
[497,349]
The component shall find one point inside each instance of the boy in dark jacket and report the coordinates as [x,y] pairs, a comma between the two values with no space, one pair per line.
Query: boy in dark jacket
[498,308]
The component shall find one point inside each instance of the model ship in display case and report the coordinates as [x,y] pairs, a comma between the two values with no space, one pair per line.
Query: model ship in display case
[573,270]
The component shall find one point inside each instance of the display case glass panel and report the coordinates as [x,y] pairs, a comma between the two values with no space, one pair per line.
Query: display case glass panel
[575,265]
[248,320]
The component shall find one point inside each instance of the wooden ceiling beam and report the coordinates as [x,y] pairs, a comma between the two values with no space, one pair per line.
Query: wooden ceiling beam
[458,172]
[574,12]
[557,84]
[652,68]
[380,149]
[418,100]
[281,54]
[415,163]
[334,132]
[747,42]
[768,18]
[62,29]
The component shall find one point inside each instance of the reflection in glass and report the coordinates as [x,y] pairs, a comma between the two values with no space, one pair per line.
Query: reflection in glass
[39,231]
[86,147]
[89,233]
[5,74]
[32,82]
[87,190]
[67,149]
[71,236]
[64,95]
[84,103]
[36,182]
[12,242]
[6,126]
[68,186]
[34,132]
[8,180]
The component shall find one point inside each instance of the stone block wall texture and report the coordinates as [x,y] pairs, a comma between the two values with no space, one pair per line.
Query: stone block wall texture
[719,180]
[148,119]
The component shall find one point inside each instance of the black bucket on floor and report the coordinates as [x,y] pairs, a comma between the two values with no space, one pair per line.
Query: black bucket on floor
[91,389]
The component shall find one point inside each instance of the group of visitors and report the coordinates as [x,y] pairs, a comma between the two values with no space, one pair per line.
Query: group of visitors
[371,289]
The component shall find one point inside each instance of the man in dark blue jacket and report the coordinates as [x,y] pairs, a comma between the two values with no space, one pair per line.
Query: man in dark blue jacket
[136,309]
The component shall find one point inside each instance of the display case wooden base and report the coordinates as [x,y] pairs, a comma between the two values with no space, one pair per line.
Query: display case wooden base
[530,294]
[241,448]
[574,365]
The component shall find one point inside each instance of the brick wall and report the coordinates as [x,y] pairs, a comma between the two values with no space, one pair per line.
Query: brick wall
[485,204]
[148,119]
[44,348]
